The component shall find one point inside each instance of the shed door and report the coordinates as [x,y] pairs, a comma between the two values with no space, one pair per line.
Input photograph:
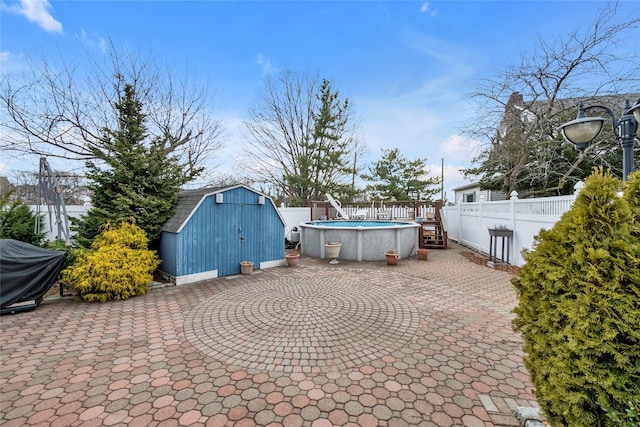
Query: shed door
[242,238]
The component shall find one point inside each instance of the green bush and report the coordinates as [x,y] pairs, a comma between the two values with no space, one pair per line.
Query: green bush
[61,245]
[18,222]
[119,265]
[629,418]
[579,308]
[632,196]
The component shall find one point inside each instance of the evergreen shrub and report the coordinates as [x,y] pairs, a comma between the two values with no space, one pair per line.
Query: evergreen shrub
[118,266]
[629,418]
[61,245]
[579,308]
[18,222]
[133,176]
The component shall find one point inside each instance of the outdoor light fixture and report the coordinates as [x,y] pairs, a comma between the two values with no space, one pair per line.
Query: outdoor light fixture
[583,130]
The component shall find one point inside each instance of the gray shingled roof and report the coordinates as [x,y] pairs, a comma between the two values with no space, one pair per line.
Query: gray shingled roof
[187,202]
[616,102]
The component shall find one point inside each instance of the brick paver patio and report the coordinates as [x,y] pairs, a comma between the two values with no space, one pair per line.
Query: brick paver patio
[360,344]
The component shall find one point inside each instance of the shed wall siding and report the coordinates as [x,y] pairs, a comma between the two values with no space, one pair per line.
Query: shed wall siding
[168,253]
[220,235]
[198,243]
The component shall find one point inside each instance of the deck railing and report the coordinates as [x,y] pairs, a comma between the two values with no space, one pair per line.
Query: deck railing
[389,210]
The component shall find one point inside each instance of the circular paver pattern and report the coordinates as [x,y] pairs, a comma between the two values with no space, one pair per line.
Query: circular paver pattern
[315,325]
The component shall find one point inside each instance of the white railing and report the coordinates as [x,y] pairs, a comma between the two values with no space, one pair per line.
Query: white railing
[469,223]
[384,210]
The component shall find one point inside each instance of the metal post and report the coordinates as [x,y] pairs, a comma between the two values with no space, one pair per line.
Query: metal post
[627,131]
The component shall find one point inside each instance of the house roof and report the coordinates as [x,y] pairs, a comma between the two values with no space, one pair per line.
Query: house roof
[189,200]
[616,102]
[467,186]
[519,110]
[5,185]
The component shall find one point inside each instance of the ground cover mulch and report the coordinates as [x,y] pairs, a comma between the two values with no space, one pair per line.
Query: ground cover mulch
[483,260]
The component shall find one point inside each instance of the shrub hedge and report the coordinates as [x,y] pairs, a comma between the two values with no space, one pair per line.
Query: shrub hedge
[579,308]
[118,266]
[18,222]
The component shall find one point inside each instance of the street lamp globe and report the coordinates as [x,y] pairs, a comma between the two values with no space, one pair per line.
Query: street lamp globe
[582,130]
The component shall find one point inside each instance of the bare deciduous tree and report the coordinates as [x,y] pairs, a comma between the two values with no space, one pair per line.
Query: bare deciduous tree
[302,139]
[62,109]
[73,187]
[520,109]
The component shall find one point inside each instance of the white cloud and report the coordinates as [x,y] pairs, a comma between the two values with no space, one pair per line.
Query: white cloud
[423,123]
[37,11]
[420,131]
[427,117]
[418,123]
[10,62]
[458,152]
[426,8]
[267,66]
[460,148]
[92,41]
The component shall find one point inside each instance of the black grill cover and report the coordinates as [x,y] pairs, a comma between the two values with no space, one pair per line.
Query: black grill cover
[27,272]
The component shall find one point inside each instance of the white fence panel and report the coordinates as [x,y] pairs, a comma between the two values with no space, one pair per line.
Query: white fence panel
[292,217]
[468,223]
[49,221]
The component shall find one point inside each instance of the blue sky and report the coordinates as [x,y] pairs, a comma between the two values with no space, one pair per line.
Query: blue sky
[407,66]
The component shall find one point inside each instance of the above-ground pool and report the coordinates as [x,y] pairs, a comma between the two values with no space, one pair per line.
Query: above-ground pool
[361,240]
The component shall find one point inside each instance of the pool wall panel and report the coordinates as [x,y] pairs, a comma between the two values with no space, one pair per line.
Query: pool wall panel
[360,243]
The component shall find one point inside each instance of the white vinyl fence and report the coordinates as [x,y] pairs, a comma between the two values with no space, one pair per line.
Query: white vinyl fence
[466,223]
[293,217]
[49,224]
[469,223]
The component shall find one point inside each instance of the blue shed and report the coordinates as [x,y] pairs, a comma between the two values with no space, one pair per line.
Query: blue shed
[214,229]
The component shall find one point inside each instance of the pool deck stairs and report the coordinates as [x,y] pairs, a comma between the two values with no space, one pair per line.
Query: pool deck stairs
[432,234]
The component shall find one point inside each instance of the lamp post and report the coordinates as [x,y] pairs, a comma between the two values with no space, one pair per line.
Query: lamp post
[583,130]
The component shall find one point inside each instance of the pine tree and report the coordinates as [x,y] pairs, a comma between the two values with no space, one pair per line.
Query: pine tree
[18,222]
[302,140]
[393,176]
[579,308]
[321,159]
[134,177]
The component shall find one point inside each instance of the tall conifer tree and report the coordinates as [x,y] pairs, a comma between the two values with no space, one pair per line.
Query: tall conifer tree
[579,310]
[394,177]
[134,177]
